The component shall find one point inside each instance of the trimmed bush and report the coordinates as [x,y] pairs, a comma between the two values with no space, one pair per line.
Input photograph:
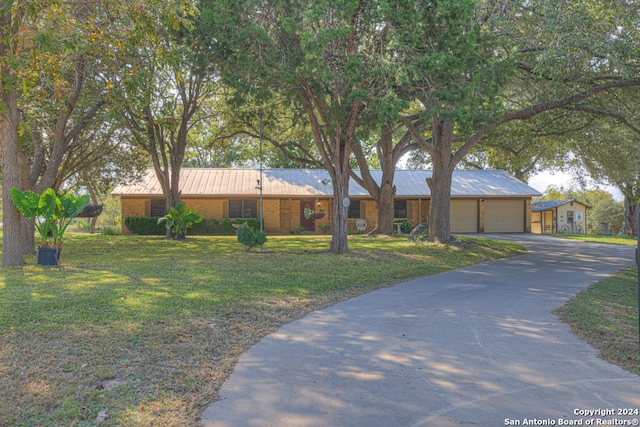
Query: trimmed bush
[298,230]
[251,222]
[145,225]
[249,238]
[205,227]
[261,238]
[246,236]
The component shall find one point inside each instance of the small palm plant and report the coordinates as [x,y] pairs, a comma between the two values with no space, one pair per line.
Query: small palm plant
[180,219]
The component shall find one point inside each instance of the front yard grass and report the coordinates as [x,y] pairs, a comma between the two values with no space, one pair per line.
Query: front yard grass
[600,238]
[142,331]
[606,314]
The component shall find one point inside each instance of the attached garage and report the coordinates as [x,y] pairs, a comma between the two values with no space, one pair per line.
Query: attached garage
[505,216]
[464,216]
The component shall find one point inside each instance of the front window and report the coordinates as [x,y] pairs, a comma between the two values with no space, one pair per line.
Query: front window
[354,209]
[243,209]
[157,207]
[400,209]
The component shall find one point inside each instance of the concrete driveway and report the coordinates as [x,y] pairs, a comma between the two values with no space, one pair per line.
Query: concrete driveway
[477,346]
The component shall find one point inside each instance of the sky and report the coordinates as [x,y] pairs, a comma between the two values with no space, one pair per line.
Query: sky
[541,181]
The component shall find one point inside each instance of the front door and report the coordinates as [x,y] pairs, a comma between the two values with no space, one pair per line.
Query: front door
[306,209]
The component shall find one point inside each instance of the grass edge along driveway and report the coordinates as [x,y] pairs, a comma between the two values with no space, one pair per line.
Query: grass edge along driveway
[142,331]
[606,316]
[606,313]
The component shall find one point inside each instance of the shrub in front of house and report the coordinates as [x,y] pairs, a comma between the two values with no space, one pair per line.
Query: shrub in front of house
[249,237]
[145,225]
[204,227]
[405,226]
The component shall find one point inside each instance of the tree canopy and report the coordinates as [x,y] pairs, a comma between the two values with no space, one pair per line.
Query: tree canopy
[336,84]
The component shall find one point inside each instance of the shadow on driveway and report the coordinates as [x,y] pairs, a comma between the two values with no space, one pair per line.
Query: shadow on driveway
[475,346]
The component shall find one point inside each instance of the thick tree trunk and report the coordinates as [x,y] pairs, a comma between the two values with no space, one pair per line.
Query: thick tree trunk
[12,249]
[631,215]
[384,191]
[339,237]
[386,210]
[440,183]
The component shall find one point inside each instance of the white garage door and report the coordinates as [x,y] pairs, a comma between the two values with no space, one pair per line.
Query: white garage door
[464,216]
[504,216]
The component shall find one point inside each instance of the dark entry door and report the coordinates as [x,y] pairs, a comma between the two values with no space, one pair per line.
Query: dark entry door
[306,208]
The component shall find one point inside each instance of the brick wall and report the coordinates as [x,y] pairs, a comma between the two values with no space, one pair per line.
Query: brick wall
[210,208]
[271,215]
[133,207]
[289,217]
[283,215]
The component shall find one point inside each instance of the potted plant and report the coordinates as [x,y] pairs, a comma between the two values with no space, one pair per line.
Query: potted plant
[51,215]
[180,219]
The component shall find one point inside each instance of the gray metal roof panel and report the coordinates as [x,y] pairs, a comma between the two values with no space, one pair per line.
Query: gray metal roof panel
[543,205]
[317,183]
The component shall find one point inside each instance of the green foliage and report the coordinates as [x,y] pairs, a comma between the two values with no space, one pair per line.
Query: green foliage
[606,316]
[224,228]
[110,230]
[298,230]
[250,238]
[254,223]
[139,296]
[51,214]
[405,226]
[205,227]
[604,209]
[610,213]
[144,225]
[180,219]
[261,238]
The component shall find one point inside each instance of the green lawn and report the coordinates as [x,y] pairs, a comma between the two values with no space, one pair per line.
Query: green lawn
[606,314]
[597,238]
[142,331]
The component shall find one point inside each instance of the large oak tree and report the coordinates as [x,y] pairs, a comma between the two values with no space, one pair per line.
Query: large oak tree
[558,54]
[51,52]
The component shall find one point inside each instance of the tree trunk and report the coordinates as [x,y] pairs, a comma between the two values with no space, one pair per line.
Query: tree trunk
[340,177]
[386,209]
[440,183]
[12,249]
[631,215]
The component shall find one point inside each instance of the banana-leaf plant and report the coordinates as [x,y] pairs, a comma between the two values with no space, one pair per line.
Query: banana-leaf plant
[180,219]
[50,213]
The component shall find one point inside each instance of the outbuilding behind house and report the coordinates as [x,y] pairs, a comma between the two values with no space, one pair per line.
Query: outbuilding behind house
[559,216]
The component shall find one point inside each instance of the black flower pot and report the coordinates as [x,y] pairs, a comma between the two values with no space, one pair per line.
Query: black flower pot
[180,236]
[49,256]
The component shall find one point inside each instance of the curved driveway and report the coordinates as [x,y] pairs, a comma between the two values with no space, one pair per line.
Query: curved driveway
[477,346]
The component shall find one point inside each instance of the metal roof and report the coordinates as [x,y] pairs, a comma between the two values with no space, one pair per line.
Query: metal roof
[317,183]
[543,205]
